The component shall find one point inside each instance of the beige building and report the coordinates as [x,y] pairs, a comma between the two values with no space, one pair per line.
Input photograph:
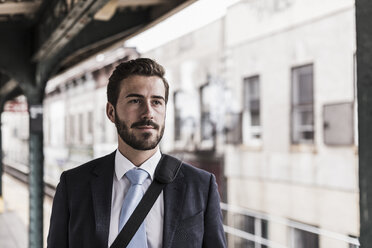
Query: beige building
[269,88]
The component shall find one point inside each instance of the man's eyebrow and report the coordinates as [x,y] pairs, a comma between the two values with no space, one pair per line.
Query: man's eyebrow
[134,95]
[141,96]
[158,97]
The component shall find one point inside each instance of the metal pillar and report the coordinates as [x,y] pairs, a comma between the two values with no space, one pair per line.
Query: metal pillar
[36,182]
[2,103]
[364,85]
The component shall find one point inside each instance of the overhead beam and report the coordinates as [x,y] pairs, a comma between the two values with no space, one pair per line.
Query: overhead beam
[16,8]
[62,23]
[110,8]
[121,25]
[107,12]
[130,3]
[8,87]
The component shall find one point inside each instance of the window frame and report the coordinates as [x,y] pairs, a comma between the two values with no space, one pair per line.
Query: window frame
[205,118]
[303,235]
[248,133]
[295,106]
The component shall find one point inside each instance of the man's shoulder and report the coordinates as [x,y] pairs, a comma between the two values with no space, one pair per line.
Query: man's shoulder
[190,172]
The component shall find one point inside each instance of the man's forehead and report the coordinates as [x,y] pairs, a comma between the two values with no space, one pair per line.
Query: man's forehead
[129,95]
[143,85]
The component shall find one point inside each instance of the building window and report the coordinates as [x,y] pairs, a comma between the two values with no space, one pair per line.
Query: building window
[233,129]
[72,129]
[304,239]
[48,132]
[207,129]
[246,224]
[185,116]
[302,100]
[251,225]
[206,123]
[177,115]
[90,122]
[251,110]
[66,129]
[264,231]
[81,129]
[353,245]
[102,126]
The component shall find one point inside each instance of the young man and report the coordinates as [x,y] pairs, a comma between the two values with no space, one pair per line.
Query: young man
[92,201]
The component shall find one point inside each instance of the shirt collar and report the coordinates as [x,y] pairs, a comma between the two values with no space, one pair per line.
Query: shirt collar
[122,164]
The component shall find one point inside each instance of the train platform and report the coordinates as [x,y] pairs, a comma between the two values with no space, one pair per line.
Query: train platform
[14,217]
[13,232]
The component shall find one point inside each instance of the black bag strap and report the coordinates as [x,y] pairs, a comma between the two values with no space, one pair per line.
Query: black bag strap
[166,171]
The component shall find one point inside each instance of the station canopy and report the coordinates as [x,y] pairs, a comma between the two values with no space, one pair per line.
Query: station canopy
[39,38]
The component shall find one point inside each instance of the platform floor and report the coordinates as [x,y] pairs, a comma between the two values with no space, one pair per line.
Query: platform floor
[15,216]
[13,232]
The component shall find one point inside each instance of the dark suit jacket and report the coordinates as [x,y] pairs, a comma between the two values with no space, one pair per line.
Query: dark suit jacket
[82,203]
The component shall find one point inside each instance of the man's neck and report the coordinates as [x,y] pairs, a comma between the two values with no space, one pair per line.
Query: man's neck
[137,157]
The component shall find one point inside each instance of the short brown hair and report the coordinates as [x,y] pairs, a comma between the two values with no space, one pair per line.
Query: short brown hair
[140,67]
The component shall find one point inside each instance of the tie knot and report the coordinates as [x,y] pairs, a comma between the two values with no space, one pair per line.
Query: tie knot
[136,176]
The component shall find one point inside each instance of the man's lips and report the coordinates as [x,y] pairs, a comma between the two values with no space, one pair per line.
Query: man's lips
[145,127]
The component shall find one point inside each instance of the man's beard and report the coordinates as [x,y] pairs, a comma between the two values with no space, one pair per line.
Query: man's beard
[144,141]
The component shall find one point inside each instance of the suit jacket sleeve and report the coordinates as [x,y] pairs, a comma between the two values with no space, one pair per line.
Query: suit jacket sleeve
[58,230]
[214,235]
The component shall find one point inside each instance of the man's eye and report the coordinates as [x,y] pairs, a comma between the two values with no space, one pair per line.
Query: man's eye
[134,101]
[157,102]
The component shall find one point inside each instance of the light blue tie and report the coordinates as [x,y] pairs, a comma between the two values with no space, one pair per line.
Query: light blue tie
[131,200]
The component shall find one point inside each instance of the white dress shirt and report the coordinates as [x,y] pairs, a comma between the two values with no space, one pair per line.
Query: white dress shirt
[120,187]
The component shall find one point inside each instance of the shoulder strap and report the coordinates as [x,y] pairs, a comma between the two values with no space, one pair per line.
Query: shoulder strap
[167,169]
[165,172]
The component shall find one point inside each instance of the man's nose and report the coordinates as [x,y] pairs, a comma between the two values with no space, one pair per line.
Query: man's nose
[147,111]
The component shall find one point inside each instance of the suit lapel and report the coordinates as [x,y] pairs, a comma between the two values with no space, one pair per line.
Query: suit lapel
[173,199]
[101,186]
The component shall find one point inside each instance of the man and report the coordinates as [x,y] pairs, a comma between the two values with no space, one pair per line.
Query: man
[90,205]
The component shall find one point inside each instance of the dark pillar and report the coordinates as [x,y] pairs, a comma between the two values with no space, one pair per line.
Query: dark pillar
[364,85]
[2,104]
[36,182]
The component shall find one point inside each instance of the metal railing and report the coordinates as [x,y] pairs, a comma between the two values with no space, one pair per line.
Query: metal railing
[260,241]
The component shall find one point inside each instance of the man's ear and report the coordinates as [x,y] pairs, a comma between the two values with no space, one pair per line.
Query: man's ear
[110,112]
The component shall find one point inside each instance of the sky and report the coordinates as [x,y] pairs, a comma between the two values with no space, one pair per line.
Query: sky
[191,18]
